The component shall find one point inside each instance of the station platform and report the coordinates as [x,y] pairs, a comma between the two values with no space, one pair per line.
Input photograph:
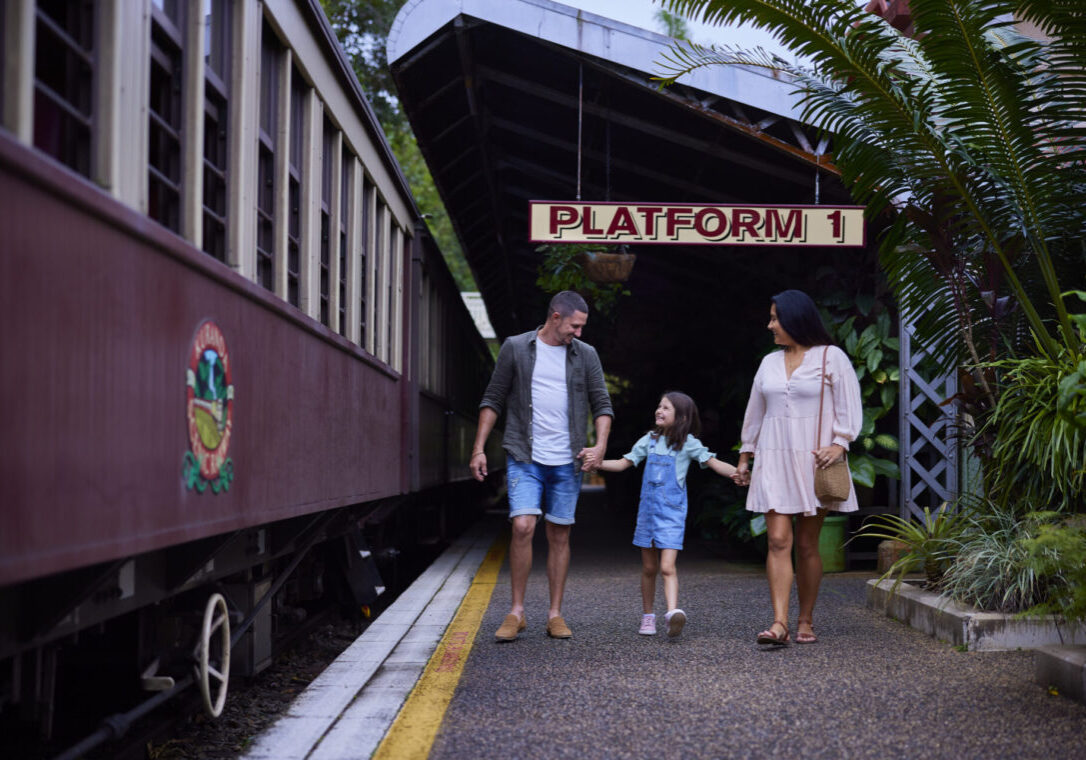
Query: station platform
[428,680]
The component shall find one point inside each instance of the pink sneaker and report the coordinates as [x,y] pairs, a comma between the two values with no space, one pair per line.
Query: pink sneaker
[648,625]
[675,620]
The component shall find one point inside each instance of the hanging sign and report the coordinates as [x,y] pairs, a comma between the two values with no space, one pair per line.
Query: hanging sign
[695,224]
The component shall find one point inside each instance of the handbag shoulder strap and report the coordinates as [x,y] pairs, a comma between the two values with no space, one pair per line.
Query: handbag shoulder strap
[821,397]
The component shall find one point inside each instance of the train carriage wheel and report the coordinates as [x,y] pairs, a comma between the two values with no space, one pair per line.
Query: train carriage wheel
[213,655]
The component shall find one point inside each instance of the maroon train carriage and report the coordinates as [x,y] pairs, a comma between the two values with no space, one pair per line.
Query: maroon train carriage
[215,411]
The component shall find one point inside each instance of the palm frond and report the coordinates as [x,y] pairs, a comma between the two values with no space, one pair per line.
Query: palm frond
[985,70]
[684,57]
[969,131]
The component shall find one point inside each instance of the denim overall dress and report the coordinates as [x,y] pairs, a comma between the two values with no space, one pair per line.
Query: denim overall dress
[661,516]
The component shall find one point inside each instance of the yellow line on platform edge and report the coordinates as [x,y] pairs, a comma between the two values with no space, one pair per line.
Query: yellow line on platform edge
[413,732]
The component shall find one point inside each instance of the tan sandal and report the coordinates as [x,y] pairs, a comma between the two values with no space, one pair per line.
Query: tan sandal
[805,638]
[769,637]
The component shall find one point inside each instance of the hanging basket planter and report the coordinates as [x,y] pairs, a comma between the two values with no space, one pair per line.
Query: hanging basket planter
[603,267]
[593,271]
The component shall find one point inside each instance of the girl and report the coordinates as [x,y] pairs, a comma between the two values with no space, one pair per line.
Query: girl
[661,515]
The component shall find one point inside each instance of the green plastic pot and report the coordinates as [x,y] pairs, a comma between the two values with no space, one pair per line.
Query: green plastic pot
[831,543]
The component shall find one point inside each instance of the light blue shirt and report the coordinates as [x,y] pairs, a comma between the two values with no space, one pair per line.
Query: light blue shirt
[692,450]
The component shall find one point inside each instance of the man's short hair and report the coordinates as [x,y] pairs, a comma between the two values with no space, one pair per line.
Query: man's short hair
[565,303]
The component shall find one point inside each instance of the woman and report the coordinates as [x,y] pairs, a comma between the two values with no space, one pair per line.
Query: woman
[780,428]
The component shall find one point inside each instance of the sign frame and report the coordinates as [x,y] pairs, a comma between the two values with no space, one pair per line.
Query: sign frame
[646,223]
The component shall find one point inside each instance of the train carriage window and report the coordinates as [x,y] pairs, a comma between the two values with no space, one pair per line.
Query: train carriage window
[64,81]
[294,188]
[217,38]
[265,218]
[390,285]
[431,317]
[424,331]
[437,348]
[364,259]
[345,175]
[327,138]
[216,124]
[270,54]
[380,289]
[395,273]
[405,257]
[164,116]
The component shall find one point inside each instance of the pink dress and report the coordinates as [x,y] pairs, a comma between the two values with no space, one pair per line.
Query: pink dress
[781,423]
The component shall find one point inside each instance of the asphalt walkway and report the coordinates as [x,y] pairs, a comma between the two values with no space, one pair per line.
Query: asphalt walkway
[870,688]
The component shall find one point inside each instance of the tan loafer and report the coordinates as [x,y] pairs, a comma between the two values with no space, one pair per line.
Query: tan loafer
[510,627]
[557,628]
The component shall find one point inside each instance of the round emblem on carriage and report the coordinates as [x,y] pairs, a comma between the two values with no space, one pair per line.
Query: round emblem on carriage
[209,411]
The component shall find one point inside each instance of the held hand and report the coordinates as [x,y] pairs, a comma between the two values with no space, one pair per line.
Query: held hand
[827,455]
[478,465]
[742,475]
[590,458]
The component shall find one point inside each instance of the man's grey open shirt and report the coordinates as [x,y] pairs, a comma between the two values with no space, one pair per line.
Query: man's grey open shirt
[510,390]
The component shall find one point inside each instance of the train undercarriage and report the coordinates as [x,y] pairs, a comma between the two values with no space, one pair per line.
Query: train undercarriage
[87,653]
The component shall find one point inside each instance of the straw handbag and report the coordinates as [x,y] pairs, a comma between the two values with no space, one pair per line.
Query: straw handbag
[833,483]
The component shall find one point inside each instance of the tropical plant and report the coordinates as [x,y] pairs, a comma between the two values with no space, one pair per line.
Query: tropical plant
[927,543]
[1071,401]
[862,326]
[719,511]
[563,268]
[969,133]
[1038,449]
[1058,552]
[721,519]
[672,25]
[994,567]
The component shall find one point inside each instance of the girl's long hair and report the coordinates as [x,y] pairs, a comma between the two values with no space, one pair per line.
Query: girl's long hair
[799,317]
[687,422]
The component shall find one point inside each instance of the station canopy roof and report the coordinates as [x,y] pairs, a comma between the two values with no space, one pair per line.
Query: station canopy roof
[520,100]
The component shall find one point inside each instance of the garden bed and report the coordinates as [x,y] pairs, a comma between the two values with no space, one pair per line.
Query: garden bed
[968,627]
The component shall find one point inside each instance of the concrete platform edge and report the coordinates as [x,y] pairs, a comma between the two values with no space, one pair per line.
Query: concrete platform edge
[347,710]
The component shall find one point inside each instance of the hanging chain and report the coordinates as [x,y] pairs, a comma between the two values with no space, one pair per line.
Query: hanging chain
[607,157]
[580,112]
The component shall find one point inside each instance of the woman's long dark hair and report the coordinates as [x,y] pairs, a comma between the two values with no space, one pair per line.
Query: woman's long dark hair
[799,317]
[687,422]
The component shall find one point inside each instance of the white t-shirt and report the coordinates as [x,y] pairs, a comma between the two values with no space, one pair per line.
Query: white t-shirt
[550,406]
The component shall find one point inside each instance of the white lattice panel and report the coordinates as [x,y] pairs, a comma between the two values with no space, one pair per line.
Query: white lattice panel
[929,446]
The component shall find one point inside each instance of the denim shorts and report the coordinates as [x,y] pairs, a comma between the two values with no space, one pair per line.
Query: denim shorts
[555,488]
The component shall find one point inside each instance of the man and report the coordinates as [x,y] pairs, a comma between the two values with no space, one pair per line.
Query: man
[546,381]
